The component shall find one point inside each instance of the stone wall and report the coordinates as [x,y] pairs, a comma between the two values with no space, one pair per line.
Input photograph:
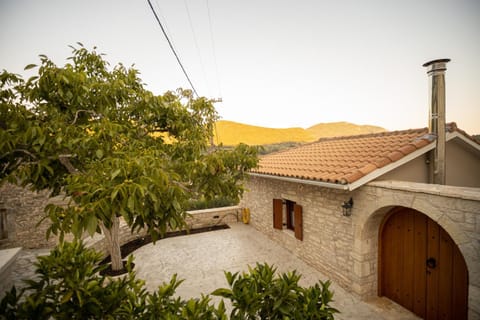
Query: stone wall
[346,248]
[327,235]
[7,259]
[25,209]
[196,219]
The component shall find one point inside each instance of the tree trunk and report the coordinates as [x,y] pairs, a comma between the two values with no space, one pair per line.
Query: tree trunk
[113,243]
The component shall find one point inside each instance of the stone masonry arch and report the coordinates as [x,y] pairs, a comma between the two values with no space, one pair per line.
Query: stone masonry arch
[455,211]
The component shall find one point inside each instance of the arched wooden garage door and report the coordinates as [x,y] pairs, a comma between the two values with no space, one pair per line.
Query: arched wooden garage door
[421,268]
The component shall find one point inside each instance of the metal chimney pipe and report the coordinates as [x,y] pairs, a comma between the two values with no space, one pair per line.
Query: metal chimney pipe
[436,73]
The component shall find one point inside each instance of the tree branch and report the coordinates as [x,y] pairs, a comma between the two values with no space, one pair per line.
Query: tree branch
[78,112]
[65,161]
[28,153]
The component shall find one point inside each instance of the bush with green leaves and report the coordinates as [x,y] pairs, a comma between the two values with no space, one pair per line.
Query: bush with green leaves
[69,285]
[261,294]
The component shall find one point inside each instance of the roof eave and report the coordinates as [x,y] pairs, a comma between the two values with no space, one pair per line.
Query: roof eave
[456,134]
[302,181]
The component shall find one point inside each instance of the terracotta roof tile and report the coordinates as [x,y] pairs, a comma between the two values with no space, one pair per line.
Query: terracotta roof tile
[395,155]
[368,168]
[409,148]
[419,143]
[381,162]
[354,176]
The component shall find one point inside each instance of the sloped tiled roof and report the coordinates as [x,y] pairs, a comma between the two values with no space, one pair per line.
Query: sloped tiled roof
[344,160]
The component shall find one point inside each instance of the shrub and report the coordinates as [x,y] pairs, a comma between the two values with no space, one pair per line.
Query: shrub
[260,294]
[69,286]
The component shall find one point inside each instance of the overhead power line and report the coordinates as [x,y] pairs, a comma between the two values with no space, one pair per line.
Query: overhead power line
[171,47]
[196,44]
[213,49]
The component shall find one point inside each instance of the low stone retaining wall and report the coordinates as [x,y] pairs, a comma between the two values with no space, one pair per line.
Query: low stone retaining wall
[196,219]
[7,262]
[213,217]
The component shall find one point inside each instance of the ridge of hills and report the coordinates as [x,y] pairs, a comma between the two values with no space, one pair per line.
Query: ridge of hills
[231,133]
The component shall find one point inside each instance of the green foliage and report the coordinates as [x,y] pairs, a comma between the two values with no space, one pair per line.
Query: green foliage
[117,150]
[69,286]
[275,147]
[218,173]
[260,294]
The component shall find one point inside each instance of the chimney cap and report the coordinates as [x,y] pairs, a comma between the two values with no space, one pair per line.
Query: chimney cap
[426,64]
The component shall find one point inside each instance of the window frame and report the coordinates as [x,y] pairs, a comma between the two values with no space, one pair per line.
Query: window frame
[290,214]
[293,217]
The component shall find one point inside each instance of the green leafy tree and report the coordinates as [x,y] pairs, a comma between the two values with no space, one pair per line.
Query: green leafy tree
[113,147]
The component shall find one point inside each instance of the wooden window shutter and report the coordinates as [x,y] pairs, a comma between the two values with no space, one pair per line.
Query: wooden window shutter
[297,209]
[278,213]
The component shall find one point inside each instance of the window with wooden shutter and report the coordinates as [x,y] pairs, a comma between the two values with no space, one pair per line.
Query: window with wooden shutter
[298,228]
[277,213]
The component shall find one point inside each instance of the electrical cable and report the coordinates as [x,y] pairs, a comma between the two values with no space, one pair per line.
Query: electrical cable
[213,49]
[196,45]
[171,47]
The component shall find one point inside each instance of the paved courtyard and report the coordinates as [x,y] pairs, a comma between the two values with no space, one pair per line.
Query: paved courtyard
[201,258]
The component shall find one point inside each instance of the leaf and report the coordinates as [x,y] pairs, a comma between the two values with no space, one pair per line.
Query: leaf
[114,193]
[30,66]
[131,203]
[49,169]
[222,292]
[65,79]
[115,174]
[32,78]
[67,297]
[92,224]
[176,205]
[99,153]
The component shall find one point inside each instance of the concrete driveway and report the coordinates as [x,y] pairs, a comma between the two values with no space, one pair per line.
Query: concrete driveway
[201,258]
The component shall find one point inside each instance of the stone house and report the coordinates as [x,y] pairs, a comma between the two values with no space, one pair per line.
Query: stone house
[361,210]
[387,214]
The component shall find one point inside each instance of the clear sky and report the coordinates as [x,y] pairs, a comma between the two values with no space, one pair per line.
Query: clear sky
[274,63]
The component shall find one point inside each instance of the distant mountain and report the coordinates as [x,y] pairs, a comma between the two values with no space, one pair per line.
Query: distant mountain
[335,129]
[232,133]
